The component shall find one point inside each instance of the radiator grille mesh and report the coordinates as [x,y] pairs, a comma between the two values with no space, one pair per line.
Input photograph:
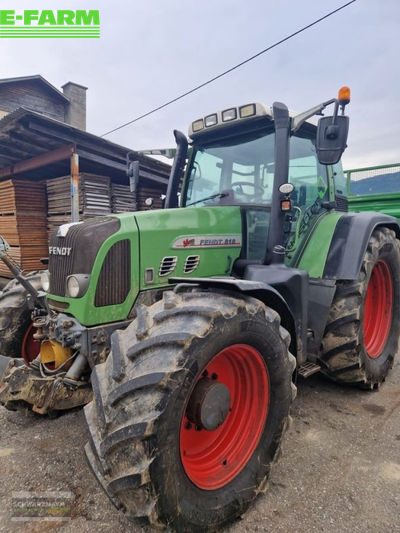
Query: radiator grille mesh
[114,282]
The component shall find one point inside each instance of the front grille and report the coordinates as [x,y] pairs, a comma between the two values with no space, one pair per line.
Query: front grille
[80,247]
[114,282]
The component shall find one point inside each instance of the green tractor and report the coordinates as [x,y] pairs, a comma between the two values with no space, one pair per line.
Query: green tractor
[271,277]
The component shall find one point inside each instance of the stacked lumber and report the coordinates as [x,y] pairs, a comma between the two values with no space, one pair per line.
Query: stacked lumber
[96,192]
[122,199]
[23,223]
[147,192]
[94,198]
[54,222]
[28,257]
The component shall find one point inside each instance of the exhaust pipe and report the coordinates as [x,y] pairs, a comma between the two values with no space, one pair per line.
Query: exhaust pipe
[273,253]
[171,199]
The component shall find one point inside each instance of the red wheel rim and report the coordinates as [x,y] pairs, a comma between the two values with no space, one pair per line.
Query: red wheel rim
[212,459]
[378,309]
[30,346]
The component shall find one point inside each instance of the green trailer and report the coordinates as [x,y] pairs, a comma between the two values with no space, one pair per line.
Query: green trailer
[375,189]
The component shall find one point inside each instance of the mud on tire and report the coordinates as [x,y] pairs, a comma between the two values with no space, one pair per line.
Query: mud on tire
[140,398]
[362,337]
[15,315]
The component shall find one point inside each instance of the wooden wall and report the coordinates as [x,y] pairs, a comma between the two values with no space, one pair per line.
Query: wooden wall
[33,96]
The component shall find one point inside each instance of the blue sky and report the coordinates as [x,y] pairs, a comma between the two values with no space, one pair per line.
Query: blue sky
[151,51]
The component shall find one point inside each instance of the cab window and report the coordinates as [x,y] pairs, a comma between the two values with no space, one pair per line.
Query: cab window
[306,173]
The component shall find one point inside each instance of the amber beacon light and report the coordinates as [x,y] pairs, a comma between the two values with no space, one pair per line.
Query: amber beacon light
[344,95]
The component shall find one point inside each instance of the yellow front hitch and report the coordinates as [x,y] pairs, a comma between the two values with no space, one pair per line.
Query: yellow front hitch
[52,352]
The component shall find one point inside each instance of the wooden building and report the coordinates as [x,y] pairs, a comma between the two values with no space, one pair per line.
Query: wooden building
[41,156]
[37,94]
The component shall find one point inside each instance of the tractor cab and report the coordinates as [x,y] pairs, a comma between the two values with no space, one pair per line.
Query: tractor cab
[238,169]
[279,168]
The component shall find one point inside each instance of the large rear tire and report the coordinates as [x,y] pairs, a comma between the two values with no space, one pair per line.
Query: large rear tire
[16,331]
[154,460]
[362,335]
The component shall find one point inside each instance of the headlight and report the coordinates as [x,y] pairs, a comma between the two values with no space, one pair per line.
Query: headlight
[286,188]
[45,280]
[77,285]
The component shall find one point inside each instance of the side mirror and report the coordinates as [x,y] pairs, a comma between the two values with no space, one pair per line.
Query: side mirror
[133,175]
[331,138]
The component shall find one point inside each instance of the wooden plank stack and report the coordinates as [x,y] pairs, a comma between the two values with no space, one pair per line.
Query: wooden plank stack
[23,223]
[147,192]
[122,199]
[94,198]
[31,211]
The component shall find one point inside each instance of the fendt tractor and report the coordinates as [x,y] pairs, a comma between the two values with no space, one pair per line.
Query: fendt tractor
[185,328]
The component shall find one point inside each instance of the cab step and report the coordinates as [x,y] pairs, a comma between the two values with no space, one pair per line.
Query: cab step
[308,369]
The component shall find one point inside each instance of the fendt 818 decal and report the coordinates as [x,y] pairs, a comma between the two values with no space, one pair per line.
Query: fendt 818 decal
[208,241]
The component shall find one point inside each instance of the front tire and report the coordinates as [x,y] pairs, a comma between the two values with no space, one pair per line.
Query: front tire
[362,335]
[16,330]
[152,457]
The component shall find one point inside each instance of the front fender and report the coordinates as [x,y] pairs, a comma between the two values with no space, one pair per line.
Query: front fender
[263,292]
[350,240]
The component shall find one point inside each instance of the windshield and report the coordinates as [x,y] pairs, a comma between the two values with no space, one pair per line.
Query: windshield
[239,170]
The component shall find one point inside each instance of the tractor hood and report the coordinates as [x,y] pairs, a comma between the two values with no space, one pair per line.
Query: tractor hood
[201,241]
[109,260]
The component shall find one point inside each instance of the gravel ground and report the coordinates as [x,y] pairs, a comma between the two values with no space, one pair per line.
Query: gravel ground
[339,470]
